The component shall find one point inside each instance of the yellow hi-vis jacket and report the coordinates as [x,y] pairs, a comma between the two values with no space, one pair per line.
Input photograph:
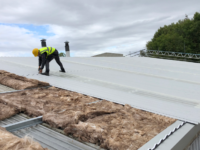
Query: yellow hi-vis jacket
[48,50]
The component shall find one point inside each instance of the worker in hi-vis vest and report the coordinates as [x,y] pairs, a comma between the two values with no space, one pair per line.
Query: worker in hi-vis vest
[47,54]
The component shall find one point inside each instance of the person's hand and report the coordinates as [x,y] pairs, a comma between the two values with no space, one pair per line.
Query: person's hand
[40,71]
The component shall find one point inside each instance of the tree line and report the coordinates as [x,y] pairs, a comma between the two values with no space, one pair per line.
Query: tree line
[183,36]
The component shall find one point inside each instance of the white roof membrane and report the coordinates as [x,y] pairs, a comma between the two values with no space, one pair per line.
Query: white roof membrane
[165,87]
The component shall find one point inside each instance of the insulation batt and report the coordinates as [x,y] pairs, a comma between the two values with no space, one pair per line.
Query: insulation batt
[64,115]
[125,129]
[36,102]
[18,82]
[9,141]
[110,125]
[13,100]
[7,111]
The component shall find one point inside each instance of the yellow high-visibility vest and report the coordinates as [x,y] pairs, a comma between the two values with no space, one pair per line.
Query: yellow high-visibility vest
[48,50]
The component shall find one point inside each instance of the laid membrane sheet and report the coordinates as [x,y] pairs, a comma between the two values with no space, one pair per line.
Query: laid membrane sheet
[165,87]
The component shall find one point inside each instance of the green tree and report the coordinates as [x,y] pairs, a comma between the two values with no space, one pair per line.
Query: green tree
[183,36]
[62,54]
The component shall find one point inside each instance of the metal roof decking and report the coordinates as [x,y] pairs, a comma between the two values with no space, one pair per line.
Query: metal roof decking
[5,88]
[150,84]
[48,138]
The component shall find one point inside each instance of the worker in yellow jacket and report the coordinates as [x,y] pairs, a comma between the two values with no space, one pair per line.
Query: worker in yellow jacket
[47,54]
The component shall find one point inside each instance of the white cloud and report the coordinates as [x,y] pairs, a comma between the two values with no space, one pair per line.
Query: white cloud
[13,38]
[91,26]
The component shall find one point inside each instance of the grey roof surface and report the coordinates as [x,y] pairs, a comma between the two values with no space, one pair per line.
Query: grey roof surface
[166,87]
[46,137]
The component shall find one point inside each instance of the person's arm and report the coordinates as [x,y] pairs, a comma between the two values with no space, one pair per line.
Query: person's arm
[43,58]
[40,62]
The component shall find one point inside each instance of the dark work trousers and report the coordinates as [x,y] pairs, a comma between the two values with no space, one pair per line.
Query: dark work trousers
[50,58]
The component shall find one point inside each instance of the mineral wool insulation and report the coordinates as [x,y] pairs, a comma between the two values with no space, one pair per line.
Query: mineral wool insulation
[110,125]
[18,82]
[9,141]
[118,127]
[37,102]
[7,111]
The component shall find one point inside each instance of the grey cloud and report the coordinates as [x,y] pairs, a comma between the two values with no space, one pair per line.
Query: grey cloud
[124,21]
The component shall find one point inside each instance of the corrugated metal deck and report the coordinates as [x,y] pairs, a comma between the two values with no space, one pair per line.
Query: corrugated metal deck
[48,138]
[5,88]
[165,87]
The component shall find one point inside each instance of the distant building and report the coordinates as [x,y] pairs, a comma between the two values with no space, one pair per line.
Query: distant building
[109,55]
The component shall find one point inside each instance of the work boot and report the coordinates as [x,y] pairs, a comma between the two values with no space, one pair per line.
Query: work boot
[46,74]
[62,70]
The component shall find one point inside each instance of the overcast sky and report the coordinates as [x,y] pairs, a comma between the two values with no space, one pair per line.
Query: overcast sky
[91,26]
